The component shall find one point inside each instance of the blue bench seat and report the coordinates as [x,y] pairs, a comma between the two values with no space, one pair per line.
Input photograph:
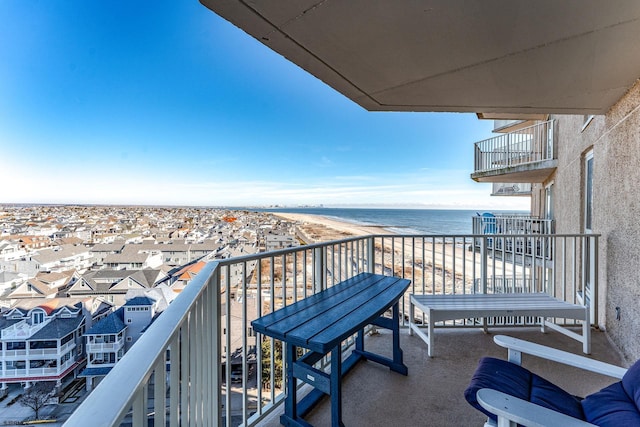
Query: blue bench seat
[320,323]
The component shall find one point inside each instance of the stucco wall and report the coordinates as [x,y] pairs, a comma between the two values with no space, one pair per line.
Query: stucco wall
[615,139]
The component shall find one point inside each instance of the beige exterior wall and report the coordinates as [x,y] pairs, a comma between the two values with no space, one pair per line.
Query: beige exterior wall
[615,140]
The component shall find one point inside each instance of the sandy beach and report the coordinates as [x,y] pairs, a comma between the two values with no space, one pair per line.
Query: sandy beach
[322,229]
[441,266]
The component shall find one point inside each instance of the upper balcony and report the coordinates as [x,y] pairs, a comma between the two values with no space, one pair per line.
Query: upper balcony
[517,189]
[210,321]
[93,346]
[526,155]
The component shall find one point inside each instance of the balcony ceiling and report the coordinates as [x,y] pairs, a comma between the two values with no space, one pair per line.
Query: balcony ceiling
[490,56]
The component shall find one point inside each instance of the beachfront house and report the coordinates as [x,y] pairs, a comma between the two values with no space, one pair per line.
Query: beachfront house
[560,79]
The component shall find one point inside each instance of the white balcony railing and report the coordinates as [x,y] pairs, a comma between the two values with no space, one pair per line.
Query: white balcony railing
[528,145]
[22,330]
[102,347]
[200,363]
[510,224]
[43,371]
[31,353]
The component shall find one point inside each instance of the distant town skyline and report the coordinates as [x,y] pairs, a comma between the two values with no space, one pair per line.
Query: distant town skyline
[122,103]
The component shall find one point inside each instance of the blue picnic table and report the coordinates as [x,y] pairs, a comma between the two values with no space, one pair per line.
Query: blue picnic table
[320,323]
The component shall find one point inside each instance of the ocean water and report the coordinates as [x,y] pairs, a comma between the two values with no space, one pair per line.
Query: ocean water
[402,221]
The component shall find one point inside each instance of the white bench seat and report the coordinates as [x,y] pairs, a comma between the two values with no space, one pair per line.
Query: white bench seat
[470,306]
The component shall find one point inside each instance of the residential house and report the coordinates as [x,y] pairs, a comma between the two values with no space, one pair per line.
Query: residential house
[62,258]
[182,277]
[105,344]
[9,281]
[110,338]
[11,249]
[45,285]
[42,339]
[35,242]
[113,285]
[202,250]
[131,260]
[65,257]
[280,241]
[173,253]
[101,250]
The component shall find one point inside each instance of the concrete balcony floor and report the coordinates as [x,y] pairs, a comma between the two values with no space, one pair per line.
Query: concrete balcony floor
[433,392]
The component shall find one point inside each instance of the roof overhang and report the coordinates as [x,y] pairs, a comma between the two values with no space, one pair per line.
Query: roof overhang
[491,56]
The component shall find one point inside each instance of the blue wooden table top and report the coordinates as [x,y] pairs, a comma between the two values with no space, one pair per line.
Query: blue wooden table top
[323,320]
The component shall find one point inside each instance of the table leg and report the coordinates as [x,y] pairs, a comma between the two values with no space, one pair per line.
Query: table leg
[290,404]
[430,332]
[398,363]
[360,340]
[411,315]
[336,387]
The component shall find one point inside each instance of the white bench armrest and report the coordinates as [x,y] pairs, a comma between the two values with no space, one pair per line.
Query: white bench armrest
[512,411]
[517,346]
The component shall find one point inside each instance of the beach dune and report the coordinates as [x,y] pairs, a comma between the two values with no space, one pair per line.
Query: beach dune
[433,264]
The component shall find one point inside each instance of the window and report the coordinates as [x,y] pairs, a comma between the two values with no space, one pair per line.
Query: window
[584,291]
[586,120]
[588,192]
[37,317]
[66,339]
[38,345]
[16,345]
[548,202]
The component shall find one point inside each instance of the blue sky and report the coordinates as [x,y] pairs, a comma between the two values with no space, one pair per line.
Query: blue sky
[137,102]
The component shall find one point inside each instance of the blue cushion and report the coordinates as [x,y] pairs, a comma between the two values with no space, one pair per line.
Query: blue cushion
[517,381]
[631,383]
[617,404]
[611,407]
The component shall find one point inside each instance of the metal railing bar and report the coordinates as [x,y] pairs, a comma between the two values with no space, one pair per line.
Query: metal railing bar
[151,343]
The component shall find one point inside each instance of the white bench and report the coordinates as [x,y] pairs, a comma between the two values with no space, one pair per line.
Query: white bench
[472,306]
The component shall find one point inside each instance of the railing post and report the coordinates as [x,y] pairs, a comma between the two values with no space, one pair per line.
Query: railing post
[216,338]
[507,150]
[483,264]
[594,279]
[550,139]
[371,262]
[319,270]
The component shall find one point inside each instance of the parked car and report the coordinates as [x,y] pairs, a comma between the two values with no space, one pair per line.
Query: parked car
[236,375]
